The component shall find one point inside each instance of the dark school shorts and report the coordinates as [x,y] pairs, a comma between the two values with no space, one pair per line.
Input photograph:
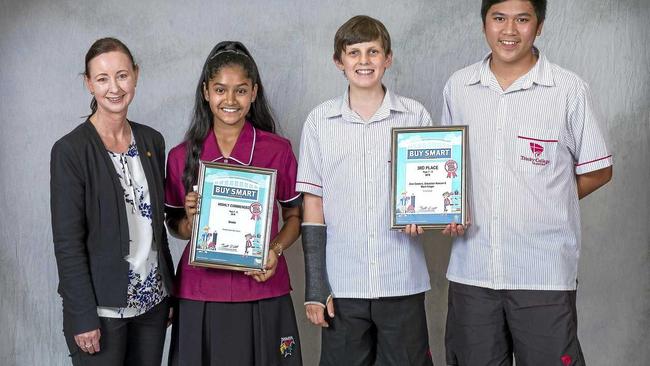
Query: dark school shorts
[486,327]
[255,333]
[382,332]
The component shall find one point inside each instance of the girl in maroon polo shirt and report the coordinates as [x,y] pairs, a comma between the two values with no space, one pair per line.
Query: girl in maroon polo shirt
[230,317]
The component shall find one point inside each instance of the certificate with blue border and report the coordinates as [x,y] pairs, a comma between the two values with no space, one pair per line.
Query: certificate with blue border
[428,176]
[233,223]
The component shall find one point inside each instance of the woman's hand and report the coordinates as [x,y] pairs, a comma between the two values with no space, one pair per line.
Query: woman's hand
[269,268]
[89,341]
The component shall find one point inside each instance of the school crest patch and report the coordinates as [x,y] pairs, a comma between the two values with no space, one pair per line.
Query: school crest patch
[287,346]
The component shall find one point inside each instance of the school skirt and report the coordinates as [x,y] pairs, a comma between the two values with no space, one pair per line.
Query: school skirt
[255,333]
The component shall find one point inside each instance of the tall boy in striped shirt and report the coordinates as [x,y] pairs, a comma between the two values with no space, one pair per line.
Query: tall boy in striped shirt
[366,286]
[535,150]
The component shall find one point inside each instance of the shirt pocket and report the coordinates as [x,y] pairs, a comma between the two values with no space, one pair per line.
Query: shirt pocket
[536,151]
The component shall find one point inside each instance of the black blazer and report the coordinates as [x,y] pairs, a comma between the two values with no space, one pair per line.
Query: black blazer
[89,224]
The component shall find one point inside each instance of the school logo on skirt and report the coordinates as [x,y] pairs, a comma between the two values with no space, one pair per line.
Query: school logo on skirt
[287,346]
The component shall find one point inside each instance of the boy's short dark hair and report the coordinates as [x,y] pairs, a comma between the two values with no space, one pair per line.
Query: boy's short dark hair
[358,29]
[538,5]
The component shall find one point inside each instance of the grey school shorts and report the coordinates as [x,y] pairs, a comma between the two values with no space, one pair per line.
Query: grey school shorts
[488,327]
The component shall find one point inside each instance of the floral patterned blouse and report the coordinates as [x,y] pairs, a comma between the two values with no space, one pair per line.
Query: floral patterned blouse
[145,289]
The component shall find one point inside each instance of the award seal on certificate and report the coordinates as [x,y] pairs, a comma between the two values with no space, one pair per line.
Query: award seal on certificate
[451,166]
[256,210]
[428,176]
[232,227]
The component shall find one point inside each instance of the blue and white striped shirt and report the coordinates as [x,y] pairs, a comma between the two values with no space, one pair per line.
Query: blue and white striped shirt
[526,146]
[346,161]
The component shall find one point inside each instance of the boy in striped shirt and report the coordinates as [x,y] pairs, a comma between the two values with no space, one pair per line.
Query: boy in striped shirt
[366,286]
[535,150]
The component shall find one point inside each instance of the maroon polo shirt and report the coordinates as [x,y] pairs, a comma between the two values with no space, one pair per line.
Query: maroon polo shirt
[253,148]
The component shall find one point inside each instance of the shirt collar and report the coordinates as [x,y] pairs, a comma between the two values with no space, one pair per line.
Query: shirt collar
[242,153]
[541,73]
[341,108]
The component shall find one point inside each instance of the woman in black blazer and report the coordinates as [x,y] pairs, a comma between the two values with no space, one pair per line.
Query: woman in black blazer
[115,269]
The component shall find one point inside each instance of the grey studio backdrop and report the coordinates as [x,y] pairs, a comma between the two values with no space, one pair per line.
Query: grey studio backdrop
[42,46]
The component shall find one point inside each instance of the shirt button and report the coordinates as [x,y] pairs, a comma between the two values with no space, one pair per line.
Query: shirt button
[225,161]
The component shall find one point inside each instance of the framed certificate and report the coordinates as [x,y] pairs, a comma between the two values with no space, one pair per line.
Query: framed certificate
[232,227]
[428,176]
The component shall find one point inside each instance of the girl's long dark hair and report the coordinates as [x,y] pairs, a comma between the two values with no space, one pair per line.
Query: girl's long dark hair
[226,53]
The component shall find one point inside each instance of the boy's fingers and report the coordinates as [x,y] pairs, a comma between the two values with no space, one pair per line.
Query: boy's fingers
[446,230]
[330,308]
[317,316]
